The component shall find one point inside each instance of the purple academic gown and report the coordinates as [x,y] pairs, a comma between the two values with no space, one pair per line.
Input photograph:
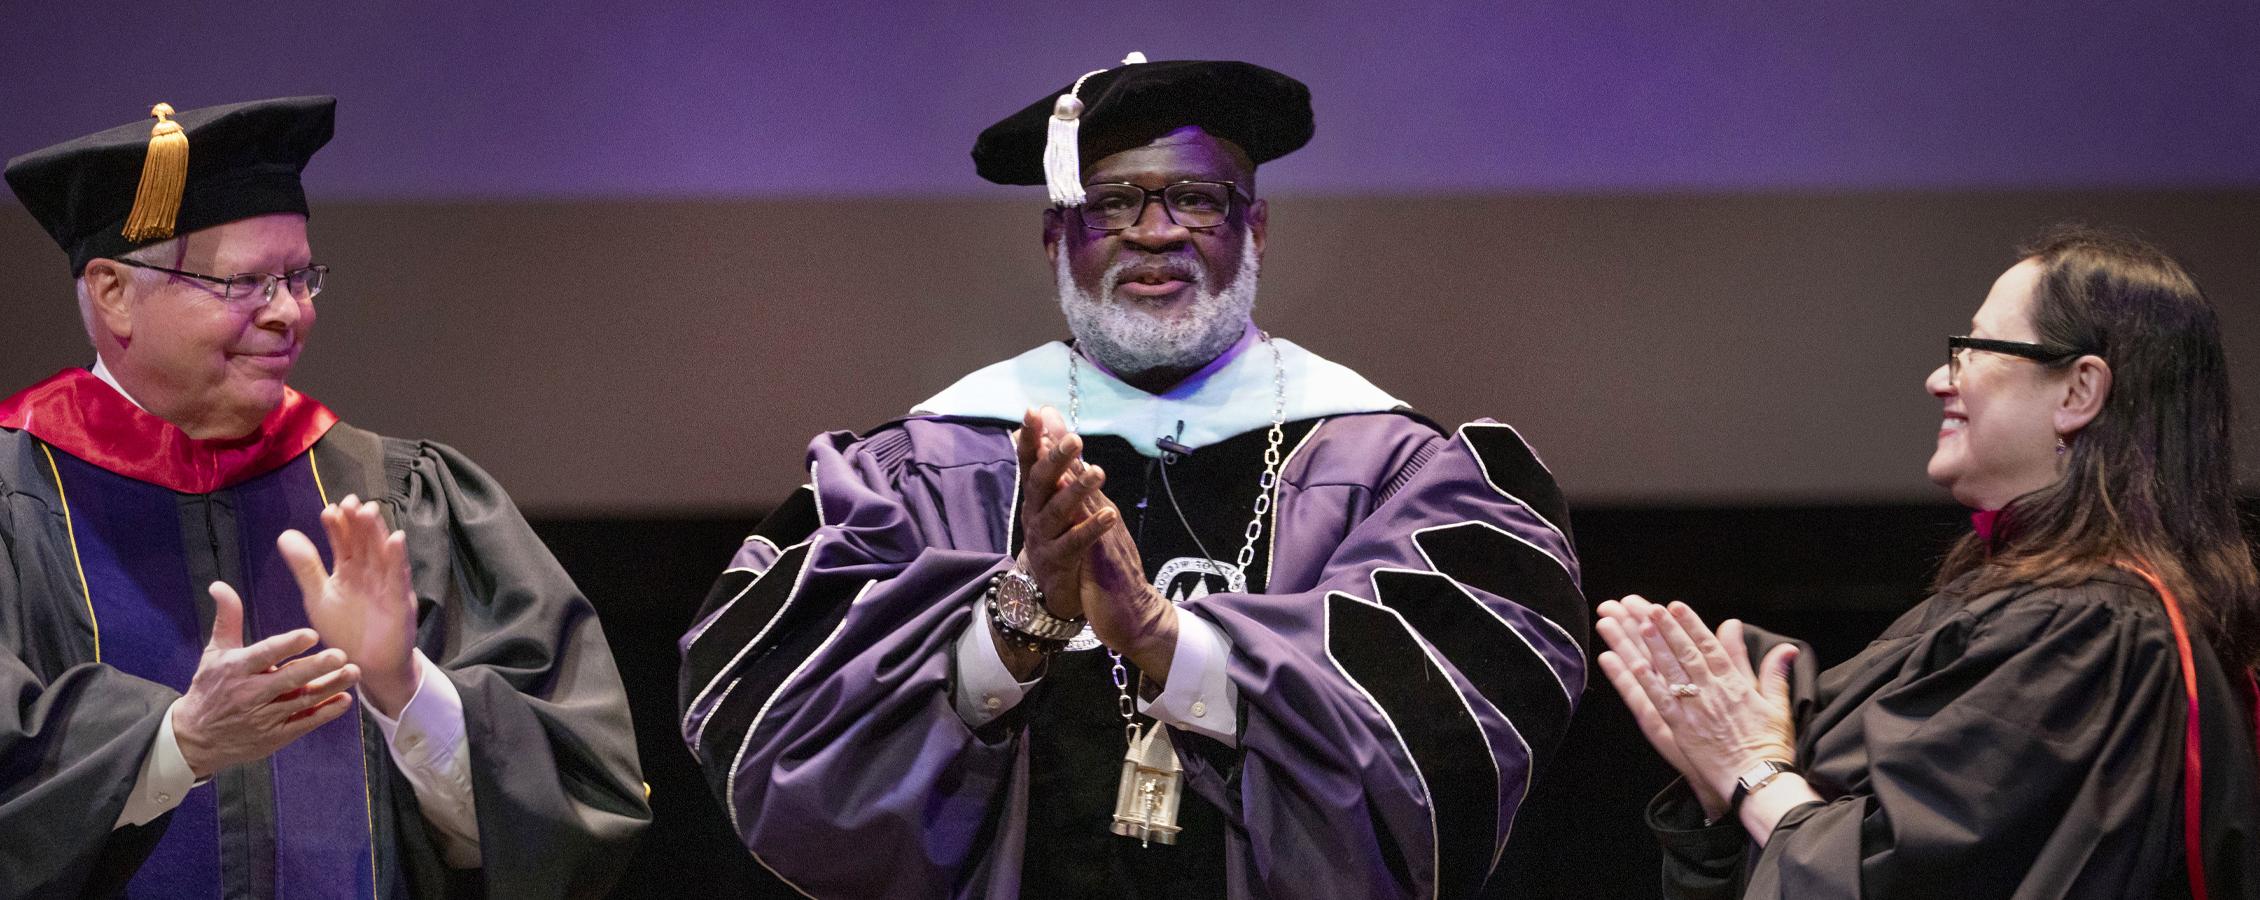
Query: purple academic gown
[1416,653]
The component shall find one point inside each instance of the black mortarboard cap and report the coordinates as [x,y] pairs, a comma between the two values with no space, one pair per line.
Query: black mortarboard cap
[242,160]
[1265,113]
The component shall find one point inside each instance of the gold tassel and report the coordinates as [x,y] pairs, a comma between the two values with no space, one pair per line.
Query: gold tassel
[164,175]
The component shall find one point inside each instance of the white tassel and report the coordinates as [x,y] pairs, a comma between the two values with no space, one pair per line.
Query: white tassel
[1063,162]
[1063,165]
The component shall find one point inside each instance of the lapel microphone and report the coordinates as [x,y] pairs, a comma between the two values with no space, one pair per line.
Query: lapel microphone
[1172,445]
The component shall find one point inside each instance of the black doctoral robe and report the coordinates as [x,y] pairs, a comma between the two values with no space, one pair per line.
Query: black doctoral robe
[553,763]
[2023,743]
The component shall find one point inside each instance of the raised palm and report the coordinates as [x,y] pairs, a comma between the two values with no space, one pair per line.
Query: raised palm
[365,606]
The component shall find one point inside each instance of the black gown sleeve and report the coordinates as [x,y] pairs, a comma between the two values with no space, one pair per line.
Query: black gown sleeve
[70,752]
[558,788]
[1701,862]
[2032,751]
[73,732]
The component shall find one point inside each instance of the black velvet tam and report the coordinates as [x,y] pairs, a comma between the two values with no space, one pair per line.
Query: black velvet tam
[1265,113]
[244,160]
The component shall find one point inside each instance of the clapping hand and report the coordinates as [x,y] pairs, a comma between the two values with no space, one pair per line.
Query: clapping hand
[245,703]
[1079,551]
[1126,612]
[1062,511]
[365,607]
[1696,696]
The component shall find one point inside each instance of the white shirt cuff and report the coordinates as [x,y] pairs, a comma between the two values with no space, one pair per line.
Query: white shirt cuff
[1200,697]
[164,781]
[433,749]
[985,688]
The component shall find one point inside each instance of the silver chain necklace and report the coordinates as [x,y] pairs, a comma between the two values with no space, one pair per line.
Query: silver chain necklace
[1146,805]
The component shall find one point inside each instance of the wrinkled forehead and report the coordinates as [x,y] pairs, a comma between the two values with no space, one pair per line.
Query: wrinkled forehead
[275,242]
[1185,153]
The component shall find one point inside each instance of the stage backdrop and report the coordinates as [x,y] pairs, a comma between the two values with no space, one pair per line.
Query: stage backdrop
[610,356]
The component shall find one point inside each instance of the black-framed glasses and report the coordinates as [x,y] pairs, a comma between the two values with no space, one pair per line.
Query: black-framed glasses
[1114,206]
[1958,345]
[302,283]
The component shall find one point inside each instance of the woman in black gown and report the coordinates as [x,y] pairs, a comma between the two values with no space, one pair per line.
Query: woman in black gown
[2071,714]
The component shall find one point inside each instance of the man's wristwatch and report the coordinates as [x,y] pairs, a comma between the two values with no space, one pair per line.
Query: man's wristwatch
[1754,778]
[1016,607]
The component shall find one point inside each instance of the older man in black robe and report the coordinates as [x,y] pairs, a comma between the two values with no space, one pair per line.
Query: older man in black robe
[167,733]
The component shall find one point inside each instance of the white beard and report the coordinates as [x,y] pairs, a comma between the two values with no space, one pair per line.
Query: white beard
[1129,341]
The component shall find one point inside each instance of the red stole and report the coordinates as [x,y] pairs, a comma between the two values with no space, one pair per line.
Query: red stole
[78,414]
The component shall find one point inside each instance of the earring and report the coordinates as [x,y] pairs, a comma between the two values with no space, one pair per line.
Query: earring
[2060,447]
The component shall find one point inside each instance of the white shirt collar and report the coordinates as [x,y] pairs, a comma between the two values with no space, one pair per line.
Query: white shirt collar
[110,378]
[1230,397]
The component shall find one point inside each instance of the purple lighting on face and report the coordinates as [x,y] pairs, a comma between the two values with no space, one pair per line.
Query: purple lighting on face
[714,99]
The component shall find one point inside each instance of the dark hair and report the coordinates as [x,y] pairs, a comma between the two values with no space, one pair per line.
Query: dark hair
[2152,479]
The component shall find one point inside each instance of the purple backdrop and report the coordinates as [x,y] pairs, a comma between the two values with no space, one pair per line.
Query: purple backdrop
[718,99]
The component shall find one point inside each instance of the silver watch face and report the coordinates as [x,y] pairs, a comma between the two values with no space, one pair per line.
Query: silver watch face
[1756,776]
[1020,605]
[1016,593]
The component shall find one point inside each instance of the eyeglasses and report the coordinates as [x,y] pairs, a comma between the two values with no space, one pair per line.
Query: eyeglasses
[303,283]
[1191,204]
[1959,345]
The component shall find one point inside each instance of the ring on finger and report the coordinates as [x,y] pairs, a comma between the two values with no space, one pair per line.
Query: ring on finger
[1652,679]
[1684,690]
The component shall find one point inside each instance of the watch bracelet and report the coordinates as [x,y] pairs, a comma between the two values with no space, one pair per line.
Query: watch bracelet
[1743,789]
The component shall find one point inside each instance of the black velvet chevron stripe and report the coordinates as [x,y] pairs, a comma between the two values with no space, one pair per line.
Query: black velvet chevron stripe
[1514,469]
[1489,560]
[793,521]
[1501,665]
[707,655]
[807,620]
[727,588]
[1445,742]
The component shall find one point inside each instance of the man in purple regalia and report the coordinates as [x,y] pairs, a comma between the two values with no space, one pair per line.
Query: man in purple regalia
[1178,609]
[165,518]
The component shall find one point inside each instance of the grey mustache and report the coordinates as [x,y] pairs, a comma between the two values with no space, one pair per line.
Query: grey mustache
[1172,269]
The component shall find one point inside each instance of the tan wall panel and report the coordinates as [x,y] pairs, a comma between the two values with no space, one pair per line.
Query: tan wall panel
[621,357]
